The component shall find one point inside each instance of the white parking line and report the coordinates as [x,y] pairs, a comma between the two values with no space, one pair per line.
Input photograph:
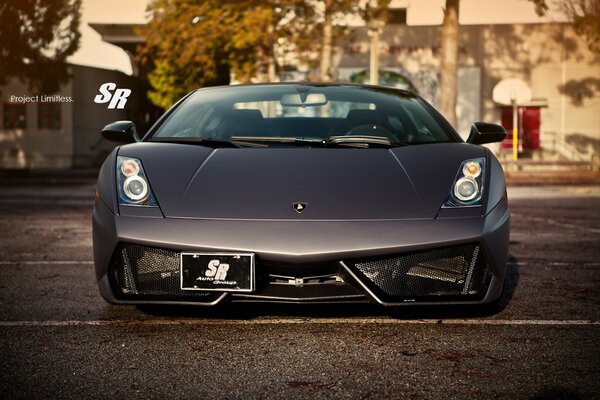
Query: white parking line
[54,202]
[522,263]
[289,321]
[45,262]
[556,223]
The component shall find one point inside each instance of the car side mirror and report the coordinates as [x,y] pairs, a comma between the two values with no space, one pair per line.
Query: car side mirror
[482,132]
[120,131]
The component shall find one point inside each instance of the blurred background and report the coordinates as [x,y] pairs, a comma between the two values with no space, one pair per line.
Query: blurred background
[454,53]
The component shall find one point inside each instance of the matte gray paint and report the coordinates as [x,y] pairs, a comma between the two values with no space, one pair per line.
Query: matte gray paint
[262,183]
[349,190]
[433,167]
[496,186]
[104,237]
[106,185]
[496,236]
[301,241]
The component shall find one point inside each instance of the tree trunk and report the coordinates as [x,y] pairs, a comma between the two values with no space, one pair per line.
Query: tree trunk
[449,62]
[271,63]
[326,44]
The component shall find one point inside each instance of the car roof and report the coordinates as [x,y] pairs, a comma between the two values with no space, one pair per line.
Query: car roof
[314,84]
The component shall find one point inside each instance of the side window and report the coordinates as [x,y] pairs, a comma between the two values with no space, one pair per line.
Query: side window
[15,116]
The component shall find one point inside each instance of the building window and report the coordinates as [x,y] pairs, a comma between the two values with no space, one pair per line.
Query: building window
[397,16]
[15,116]
[49,116]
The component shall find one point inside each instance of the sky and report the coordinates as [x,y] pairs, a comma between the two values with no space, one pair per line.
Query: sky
[94,52]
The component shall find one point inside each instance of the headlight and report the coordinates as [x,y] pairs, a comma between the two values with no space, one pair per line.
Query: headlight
[467,188]
[130,167]
[135,188]
[472,169]
[132,184]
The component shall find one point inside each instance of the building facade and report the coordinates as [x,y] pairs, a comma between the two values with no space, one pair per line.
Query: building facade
[563,74]
[62,130]
[561,121]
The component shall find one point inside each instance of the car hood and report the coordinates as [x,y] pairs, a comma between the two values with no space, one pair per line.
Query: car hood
[192,181]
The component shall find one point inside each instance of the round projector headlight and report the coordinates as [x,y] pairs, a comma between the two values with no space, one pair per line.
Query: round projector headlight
[472,169]
[135,188]
[466,189]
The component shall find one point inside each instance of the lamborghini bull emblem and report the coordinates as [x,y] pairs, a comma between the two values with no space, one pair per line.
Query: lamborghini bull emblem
[299,207]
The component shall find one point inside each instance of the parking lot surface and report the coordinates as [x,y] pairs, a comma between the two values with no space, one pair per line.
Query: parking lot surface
[59,339]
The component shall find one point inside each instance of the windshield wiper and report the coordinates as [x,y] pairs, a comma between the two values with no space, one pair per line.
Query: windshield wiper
[208,142]
[332,141]
[279,139]
[362,141]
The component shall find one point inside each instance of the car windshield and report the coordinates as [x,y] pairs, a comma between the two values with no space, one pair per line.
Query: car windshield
[302,114]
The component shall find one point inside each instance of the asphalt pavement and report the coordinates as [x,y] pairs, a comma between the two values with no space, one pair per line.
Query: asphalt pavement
[59,339]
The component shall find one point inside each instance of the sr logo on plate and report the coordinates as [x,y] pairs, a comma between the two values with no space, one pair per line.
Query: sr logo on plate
[217,270]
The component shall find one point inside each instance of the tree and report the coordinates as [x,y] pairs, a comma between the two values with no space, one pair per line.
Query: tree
[329,9]
[36,37]
[449,61]
[185,41]
[266,31]
[330,18]
[197,43]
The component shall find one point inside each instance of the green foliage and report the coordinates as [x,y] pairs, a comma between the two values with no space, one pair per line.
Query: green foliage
[196,43]
[36,37]
[185,41]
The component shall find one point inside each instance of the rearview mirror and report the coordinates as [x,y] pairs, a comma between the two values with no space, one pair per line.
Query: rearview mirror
[303,99]
[482,132]
[120,131]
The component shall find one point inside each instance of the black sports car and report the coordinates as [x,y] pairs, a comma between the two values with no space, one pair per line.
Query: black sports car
[303,193]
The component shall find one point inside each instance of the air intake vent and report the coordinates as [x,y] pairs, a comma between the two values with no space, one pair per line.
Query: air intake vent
[458,271]
[149,271]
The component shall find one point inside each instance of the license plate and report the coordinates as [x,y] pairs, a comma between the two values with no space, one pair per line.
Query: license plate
[223,272]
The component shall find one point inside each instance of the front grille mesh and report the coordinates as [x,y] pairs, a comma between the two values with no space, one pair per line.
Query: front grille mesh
[448,271]
[148,271]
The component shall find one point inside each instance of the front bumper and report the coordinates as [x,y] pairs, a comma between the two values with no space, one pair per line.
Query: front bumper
[390,262]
